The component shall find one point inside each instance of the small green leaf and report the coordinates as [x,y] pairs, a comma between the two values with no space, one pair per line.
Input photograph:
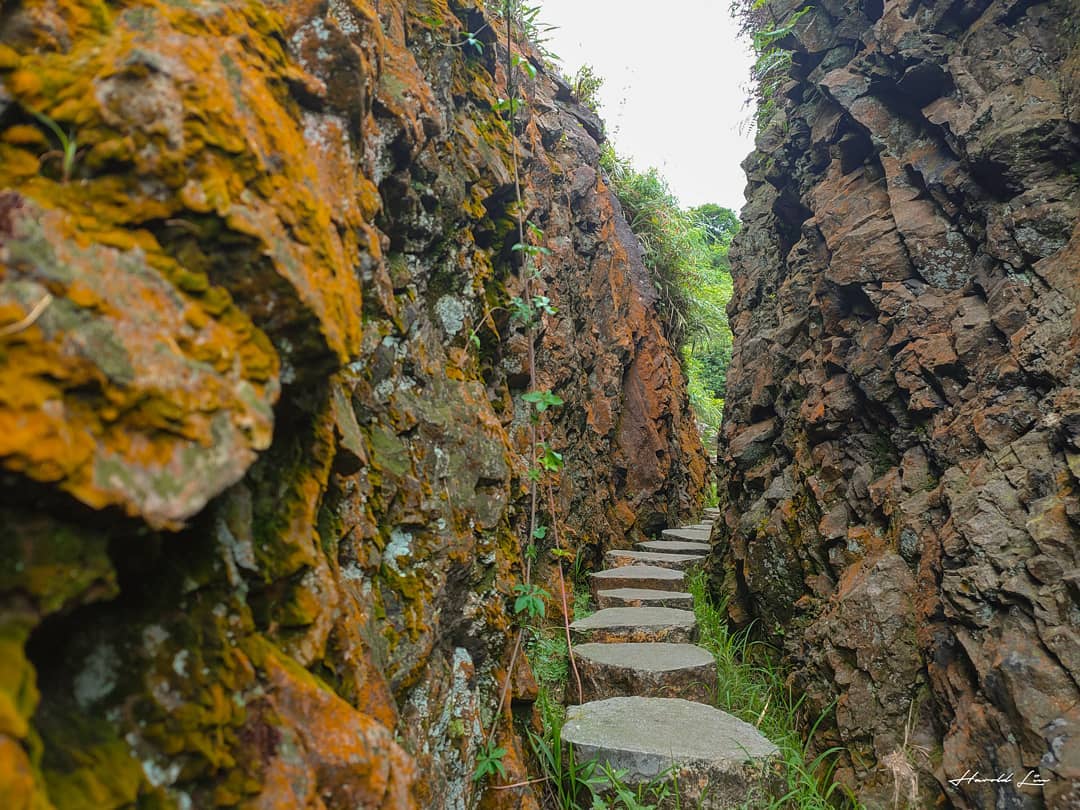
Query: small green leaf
[521,311]
[540,532]
[542,400]
[489,761]
[525,65]
[550,460]
[530,600]
[543,303]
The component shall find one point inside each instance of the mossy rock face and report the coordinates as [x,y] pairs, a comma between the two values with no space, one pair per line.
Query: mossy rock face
[261,494]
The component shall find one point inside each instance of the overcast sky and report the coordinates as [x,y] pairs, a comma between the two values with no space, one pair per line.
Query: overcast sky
[674,84]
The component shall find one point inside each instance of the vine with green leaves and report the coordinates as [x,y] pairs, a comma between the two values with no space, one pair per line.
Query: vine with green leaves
[527,310]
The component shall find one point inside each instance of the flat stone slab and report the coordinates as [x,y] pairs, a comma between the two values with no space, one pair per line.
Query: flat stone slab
[710,514]
[628,624]
[637,576]
[644,597]
[718,761]
[681,562]
[693,535]
[649,670]
[674,546]
[703,526]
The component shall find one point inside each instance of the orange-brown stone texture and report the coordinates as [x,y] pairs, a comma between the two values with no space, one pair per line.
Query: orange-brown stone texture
[262,496]
[901,447]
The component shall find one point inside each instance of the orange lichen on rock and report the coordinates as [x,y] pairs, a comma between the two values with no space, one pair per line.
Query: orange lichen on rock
[260,402]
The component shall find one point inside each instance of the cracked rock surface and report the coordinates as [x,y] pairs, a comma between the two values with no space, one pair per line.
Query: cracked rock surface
[901,445]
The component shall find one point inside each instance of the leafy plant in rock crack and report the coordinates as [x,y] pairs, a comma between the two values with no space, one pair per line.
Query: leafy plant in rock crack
[586,84]
[530,600]
[489,761]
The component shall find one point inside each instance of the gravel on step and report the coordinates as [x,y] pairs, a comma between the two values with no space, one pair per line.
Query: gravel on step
[681,562]
[674,546]
[718,761]
[613,625]
[643,597]
[693,535]
[637,576]
[646,669]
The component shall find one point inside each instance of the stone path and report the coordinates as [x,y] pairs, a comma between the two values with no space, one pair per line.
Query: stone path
[648,690]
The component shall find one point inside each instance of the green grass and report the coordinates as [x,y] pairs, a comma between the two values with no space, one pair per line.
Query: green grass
[547,656]
[752,688]
[588,785]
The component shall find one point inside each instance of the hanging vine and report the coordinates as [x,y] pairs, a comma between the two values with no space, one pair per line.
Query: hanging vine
[545,463]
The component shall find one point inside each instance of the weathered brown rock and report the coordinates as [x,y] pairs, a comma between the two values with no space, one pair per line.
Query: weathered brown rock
[262,495]
[899,453]
[648,670]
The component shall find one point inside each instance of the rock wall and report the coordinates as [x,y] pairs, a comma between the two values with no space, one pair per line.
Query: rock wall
[262,497]
[901,446]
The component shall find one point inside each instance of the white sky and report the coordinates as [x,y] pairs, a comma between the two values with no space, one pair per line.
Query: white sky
[674,78]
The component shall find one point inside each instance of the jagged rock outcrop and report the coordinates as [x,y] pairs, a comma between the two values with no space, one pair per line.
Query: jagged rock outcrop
[262,498]
[901,450]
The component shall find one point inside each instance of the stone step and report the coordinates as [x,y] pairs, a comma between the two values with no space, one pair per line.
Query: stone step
[649,670]
[643,597]
[710,513]
[674,546]
[682,562]
[693,535]
[637,576]
[717,761]
[704,526]
[629,624]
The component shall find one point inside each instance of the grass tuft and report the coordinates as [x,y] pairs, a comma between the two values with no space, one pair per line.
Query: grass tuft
[751,687]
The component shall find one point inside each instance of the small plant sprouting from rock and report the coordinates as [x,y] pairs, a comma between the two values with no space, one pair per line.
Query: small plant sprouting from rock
[770,69]
[489,761]
[542,400]
[69,146]
[530,600]
[586,85]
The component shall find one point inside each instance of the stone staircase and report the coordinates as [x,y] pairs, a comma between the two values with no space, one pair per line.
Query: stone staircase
[648,689]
